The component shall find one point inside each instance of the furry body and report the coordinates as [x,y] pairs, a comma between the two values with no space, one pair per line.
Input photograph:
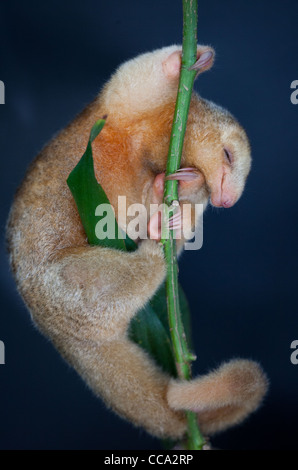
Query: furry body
[83,297]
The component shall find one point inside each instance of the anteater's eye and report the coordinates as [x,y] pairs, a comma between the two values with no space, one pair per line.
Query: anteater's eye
[228,156]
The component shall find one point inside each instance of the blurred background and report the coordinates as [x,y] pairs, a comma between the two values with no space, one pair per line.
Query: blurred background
[241,286]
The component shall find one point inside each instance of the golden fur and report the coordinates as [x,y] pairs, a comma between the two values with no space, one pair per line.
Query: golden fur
[83,297]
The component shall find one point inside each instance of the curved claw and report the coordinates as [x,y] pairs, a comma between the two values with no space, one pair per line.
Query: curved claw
[204,62]
[175,222]
[184,174]
[155,224]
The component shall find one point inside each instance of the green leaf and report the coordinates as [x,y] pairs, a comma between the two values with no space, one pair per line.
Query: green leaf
[149,328]
[88,195]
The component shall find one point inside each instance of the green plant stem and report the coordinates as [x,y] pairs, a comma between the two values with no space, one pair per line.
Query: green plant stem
[183,356]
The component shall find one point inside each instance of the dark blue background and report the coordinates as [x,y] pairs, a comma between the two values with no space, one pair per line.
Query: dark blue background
[242,286]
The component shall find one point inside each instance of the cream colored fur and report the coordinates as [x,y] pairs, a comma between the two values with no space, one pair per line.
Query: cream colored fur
[84,297]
